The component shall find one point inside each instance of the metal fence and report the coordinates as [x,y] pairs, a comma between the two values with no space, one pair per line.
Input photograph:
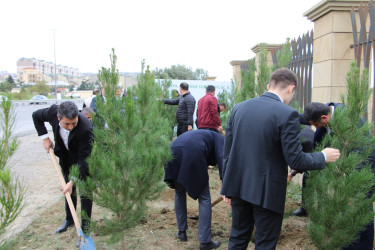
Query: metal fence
[301,63]
[364,41]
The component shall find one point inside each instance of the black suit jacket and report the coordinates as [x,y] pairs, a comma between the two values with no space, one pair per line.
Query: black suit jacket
[192,152]
[79,141]
[262,139]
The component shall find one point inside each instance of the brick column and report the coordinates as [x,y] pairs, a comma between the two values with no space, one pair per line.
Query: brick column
[332,53]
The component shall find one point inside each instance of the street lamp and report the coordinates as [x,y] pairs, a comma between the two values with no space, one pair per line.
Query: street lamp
[54,51]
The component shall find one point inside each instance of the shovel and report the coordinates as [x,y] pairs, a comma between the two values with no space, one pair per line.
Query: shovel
[86,242]
[196,217]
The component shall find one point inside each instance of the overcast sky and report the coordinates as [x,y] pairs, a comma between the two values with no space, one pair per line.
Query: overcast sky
[204,34]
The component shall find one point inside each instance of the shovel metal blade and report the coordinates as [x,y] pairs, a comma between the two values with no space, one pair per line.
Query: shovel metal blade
[88,243]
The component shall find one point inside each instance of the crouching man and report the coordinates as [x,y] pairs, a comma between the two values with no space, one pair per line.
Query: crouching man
[193,152]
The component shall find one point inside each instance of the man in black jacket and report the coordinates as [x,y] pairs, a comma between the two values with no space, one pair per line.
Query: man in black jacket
[262,139]
[185,109]
[187,172]
[73,143]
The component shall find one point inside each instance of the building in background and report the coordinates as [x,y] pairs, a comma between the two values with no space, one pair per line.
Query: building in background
[40,70]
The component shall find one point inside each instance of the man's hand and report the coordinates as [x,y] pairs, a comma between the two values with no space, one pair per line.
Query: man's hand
[332,154]
[190,127]
[290,177]
[220,129]
[227,200]
[68,188]
[47,144]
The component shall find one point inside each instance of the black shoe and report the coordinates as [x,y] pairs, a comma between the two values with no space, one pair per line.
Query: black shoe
[210,245]
[78,244]
[64,226]
[300,212]
[181,236]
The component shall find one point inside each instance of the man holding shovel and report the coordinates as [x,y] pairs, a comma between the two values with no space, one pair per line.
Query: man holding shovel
[73,143]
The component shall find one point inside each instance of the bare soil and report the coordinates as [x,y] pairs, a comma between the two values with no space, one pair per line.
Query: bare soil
[44,211]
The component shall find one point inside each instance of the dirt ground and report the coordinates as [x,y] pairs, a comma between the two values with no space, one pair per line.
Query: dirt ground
[43,212]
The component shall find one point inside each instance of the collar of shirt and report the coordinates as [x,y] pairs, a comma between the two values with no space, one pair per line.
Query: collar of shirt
[332,110]
[64,136]
[277,96]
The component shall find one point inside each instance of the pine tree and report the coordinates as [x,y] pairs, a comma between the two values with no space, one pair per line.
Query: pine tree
[246,90]
[11,189]
[283,56]
[129,152]
[338,198]
[264,72]
[168,111]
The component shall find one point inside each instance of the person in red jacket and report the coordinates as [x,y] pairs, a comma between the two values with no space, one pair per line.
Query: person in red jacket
[207,115]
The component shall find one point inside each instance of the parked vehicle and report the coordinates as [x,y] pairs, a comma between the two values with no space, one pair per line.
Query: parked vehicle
[38,99]
[75,95]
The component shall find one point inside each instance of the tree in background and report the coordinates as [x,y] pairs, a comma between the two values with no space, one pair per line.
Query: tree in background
[263,72]
[11,80]
[168,111]
[253,83]
[339,198]
[283,56]
[86,85]
[129,152]
[40,88]
[24,94]
[181,72]
[11,189]
[5,87]
[254,80]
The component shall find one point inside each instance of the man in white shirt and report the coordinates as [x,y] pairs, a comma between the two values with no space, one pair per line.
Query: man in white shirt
[72,144]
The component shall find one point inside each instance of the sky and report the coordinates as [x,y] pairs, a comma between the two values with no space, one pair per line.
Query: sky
[206,34]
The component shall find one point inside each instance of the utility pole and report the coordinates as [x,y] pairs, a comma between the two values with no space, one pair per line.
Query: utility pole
[54,51]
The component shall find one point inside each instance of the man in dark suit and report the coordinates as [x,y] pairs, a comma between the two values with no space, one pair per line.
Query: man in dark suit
[187,172]
[262,139]
[73,143]
[320,115]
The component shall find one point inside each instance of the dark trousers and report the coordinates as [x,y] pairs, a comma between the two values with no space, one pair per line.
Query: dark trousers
[244,216]
[181,128]
[204,199]
[86,206]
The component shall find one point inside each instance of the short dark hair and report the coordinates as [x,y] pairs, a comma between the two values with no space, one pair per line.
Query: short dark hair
[283,77]
[95,91]
[67,109]
[223,104]
[314,111]
[87,110]
[184,86]
[210,89]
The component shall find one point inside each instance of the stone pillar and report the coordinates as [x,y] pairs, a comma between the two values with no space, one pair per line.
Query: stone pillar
[269,47]
[236,67]
[332,53]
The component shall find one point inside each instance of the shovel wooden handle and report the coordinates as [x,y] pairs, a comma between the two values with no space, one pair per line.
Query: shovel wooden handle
[67,195]
[216,201]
